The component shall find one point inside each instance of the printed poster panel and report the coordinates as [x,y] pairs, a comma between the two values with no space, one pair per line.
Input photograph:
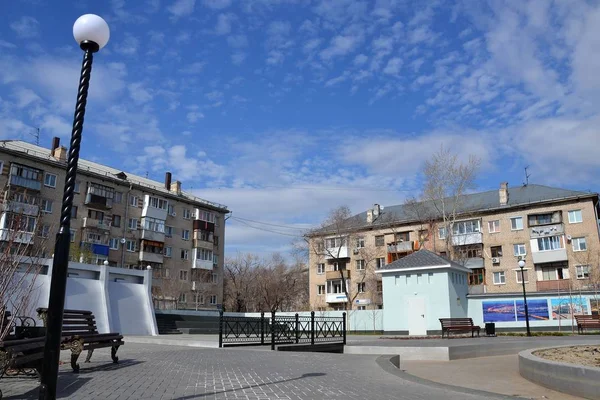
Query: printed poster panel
[595,303]
[498,310]
[537,309]
[564,307]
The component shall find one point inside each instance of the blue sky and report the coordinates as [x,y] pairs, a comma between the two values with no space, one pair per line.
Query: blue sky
[285,109]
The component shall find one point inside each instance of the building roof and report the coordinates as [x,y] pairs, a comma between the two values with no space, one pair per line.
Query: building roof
[43,154]
[421,259]
[518,196]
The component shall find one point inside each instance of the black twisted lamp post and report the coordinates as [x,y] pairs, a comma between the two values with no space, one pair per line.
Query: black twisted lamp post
[91,33]
[522,266]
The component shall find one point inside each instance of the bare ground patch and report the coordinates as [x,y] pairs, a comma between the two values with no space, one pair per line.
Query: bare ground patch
[583,355]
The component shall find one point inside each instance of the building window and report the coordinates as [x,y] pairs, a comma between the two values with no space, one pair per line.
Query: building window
[518,274]
[49,180]
[199,298]
[168,231]
[579,244]
[114,244]
[360,265]
[549,243]
[496,251]
[516,223]
[185,234]
[130,245]
[379,240]
[360,287]
[360,242]
[116,221]
[182,298]
[361,308]
[582,271]
[168,251]
[214,278]
[494,226]
[320,269]
[476,276]
[187,213]
[335,242]
[46,206]
[184,254]
[575,217]
[153,224]
[183,275]
[380,262]
[73,232]
[519,249]
[539,219]
[466,227]
[155,202]
[204,254]
[118,197]
[77,186]
[45,231]
[499,278]
[171,209]
[206,216]
[213,299]
[133,201]
[215,259]
[402,237]
[442,233]
[74,212]
[133,223]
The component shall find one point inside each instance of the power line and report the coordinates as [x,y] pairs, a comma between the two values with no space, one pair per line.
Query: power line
[269,230]
[269,224]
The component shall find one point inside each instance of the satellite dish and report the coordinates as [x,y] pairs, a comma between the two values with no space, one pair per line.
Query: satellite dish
[123,240]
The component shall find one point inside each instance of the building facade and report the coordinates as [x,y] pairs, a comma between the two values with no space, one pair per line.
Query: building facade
[555,231]
[118,218]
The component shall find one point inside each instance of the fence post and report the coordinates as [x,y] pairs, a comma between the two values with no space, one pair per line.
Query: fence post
[220,328]
[312,328]
[344,326]
[262,327]
[273,330]
[297,329]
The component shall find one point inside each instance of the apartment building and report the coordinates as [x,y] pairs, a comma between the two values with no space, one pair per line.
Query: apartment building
[555,231]
[118,218]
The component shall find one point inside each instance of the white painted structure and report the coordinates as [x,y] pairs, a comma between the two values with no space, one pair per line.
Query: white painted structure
[120,298]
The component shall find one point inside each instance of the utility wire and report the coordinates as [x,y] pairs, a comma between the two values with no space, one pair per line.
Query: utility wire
[269,230]
[269,224]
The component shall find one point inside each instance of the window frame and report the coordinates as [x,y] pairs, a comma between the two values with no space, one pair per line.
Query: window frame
[185,254]
[212,300]
[495,248]
[134,201]
[50,174]
[320,268]
[444,235]
[111,242]
[518,275]
[360,242]
[360,265]
[380,265]
[379,237]
[517,218]
[183,275]
[43,206]
[524,249]
[500,274]
[579,241]
[185,234]
[129,223]
[575,211]
[494,222]
[361,287]
[127,247]
[581,267]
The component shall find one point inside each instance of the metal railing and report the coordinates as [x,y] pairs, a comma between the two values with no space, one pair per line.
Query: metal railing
[282,329]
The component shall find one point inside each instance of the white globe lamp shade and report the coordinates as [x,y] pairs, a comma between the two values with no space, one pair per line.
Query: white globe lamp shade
[521,264]
[93,28]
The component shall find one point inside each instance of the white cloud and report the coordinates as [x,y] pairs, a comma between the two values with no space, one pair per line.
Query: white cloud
[194,114]
[237,41]
[340,46]
[217,4]
[223,26]
[193,68]
[7,45]
[25,97]
[56,125]
[138,93]
[238,58]
[393,66]
[129,46]
[181,8]
[360,59]
[183,37]
[26,27]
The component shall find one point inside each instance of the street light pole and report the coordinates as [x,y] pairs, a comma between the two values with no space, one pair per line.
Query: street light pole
[92,33]
[522,266]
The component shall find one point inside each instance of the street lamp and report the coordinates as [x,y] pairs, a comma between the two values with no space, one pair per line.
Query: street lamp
[91,33]
[522,266]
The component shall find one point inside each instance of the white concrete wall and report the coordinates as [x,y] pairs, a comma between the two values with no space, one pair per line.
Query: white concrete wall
[119,298]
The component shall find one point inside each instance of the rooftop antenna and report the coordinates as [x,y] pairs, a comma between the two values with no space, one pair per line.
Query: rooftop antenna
[146,174]
[527,175]
[36,135]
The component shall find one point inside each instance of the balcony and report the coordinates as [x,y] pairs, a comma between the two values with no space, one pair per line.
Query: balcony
[540,257]
[8,235]
[475,262]
[147,256]
[400,247]
[336,252]
[554,285]
[330,275]
[99,249]
[467,238]
[21,208]
[153,236]
[546,230]
[32,184]
[96,223]
[336,298]
[203,244]
[476,289]
[203,264]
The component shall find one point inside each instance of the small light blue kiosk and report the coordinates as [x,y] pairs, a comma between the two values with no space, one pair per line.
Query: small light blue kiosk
[419,289]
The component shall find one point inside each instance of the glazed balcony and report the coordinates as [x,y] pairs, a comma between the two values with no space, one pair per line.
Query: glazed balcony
[554,285]
[467,239]
[96,223]
[547,256]
[331,275]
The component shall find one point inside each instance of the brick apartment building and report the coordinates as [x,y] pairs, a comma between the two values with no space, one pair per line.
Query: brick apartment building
[555,231]
[120,218]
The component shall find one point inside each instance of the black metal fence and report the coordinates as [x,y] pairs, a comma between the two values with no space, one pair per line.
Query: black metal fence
[281,329]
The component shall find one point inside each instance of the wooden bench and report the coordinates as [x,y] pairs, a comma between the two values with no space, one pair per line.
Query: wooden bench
[587,322]
[21,354]
[79,332]
[458,325]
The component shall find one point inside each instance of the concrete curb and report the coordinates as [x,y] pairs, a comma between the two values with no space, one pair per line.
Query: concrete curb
[572,379]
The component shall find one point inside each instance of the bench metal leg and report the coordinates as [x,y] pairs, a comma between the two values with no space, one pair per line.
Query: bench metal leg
[113,354]
[89,355]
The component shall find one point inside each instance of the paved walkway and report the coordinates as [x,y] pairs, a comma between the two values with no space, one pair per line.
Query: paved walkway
[149,371]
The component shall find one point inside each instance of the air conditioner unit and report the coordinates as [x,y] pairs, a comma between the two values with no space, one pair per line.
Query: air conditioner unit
[355,251]
[495,260]
[569,237]
[521,258]
[174,214]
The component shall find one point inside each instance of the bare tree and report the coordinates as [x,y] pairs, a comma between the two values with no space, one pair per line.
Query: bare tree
[239,282]
[447,181]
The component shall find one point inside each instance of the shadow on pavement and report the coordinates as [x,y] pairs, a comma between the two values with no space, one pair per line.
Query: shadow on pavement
[73,385]
[303,376]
